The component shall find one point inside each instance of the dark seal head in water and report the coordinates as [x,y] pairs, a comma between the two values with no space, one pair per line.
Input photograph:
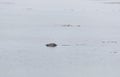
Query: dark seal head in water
[51,45]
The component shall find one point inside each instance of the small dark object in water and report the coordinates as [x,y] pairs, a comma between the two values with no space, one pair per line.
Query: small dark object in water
[51,45]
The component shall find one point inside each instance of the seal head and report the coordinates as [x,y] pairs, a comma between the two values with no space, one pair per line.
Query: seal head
[51,45]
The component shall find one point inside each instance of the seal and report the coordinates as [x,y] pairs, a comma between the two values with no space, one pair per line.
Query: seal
[51,45]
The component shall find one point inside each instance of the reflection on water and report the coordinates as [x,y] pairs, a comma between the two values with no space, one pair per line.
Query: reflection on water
[111,2]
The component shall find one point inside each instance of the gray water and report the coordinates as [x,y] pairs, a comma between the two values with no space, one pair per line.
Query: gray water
[89,50]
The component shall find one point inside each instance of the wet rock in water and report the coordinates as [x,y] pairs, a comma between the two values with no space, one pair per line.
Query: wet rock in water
[51,45]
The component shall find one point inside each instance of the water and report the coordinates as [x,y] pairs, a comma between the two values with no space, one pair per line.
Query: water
[92,49]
